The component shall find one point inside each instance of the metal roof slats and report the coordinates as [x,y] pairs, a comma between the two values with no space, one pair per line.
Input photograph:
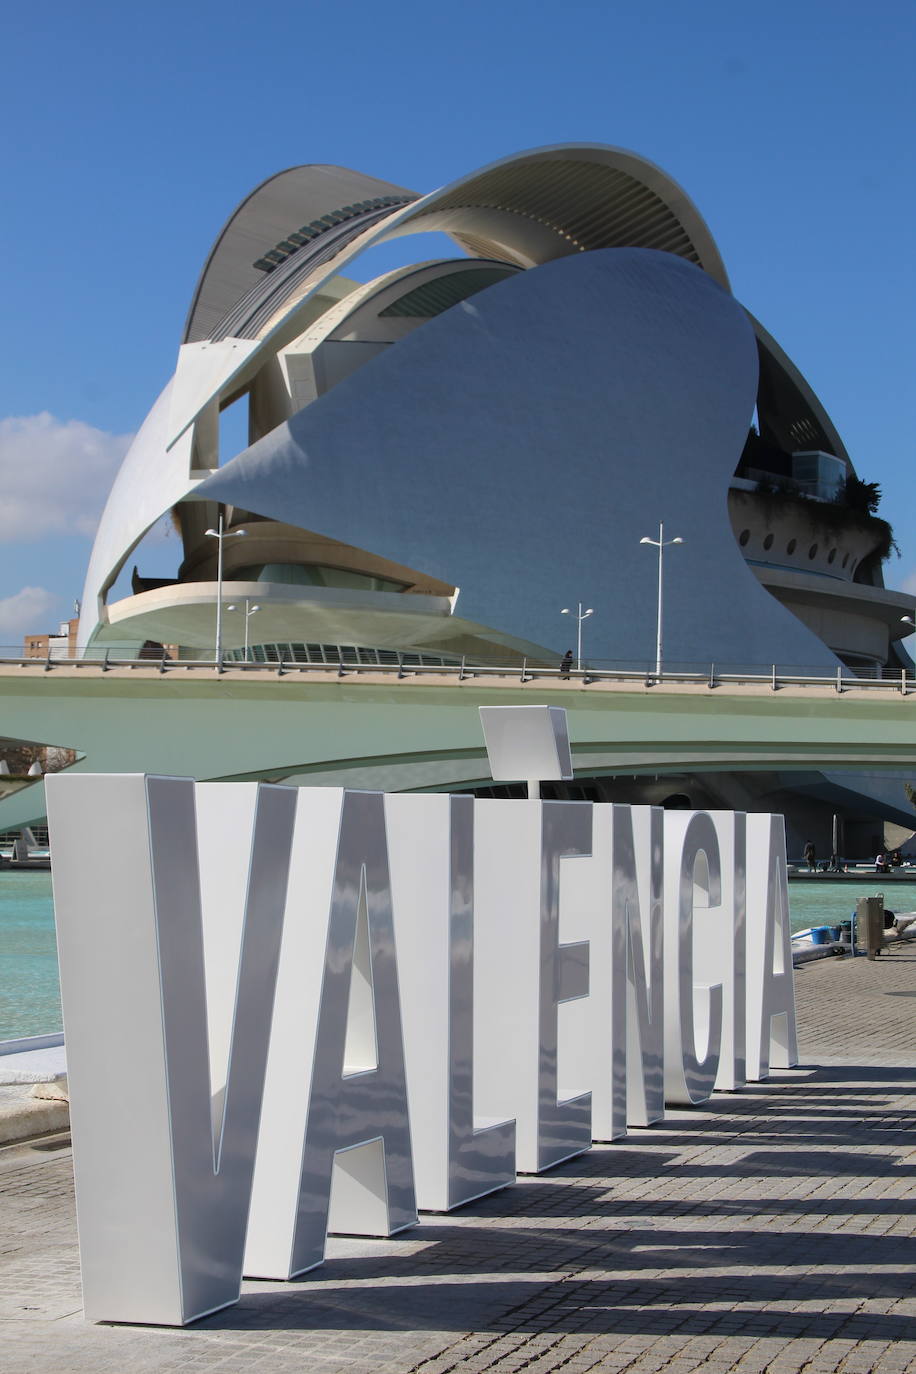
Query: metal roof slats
[590,205]
[435,297]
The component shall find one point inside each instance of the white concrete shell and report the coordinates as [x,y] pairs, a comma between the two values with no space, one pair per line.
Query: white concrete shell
[525,210]
[273,319]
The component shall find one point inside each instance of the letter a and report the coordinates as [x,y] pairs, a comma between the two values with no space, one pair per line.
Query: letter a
[771,1037]
[357,1113]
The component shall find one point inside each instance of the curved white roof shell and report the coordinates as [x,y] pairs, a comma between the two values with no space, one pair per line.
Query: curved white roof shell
[284,202]
[527,209]
[276,269]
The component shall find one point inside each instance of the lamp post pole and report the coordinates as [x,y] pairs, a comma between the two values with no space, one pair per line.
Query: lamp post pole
[248,615]
[660,543]
[580,616]
[249,612]
[907,620]
[219,534]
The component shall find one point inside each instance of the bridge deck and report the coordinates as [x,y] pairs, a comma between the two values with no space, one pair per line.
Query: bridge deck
[373,729]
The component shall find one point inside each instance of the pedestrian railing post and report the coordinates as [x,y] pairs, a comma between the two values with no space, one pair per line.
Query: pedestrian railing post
[836,681]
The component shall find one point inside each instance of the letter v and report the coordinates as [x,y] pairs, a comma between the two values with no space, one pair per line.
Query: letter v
[162,1197]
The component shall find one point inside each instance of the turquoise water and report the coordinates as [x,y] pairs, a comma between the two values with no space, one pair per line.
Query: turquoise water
[29,994]
[819,903]
[30,999]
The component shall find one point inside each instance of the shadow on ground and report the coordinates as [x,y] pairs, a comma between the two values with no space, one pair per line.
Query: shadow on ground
[644,1237]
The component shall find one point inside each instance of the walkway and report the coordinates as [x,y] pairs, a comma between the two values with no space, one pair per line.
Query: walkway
[775,1230]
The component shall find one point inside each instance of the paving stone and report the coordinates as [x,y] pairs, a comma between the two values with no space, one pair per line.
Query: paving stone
[772,1231]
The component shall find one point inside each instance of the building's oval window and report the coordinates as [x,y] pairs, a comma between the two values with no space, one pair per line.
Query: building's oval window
[790,547]
[743,537]
[845,559]
[812,552]
[831,555]
[768,542]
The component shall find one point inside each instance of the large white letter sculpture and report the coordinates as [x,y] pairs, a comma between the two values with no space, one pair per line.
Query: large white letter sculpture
[626,986]
[638,835]
[693,1012]
[336,1101]
[771,1036]
[162,1196]
[417,996]
[525,971]
[719,946]
[458,1155]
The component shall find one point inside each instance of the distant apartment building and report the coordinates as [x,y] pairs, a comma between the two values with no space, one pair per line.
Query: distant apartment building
[64,644]
[59,645]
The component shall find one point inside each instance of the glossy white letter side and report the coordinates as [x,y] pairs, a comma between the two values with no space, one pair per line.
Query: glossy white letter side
[525,971]
[693,1007]
[771,1035]
[458,1155]
[163,1185]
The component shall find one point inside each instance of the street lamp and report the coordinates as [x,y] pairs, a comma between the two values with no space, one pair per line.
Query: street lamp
[221,535]
[660,543]
[580,616]
[249,612]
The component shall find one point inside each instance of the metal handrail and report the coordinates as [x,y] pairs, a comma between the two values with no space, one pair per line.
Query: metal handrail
[402,669]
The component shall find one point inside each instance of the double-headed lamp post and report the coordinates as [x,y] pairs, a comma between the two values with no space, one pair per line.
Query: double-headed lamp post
[661,544]
[908,620]
[249,612]
[220,535]
[580,616]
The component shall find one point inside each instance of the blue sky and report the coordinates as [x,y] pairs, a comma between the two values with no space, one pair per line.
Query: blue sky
[136,130]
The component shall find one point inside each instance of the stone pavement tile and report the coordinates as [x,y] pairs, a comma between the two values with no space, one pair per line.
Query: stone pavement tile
[772,1231]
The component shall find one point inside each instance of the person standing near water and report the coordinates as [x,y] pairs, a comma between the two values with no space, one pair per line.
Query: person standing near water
[811,857]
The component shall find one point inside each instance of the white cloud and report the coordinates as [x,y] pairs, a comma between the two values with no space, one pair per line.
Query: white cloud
[27,612]
[54,476]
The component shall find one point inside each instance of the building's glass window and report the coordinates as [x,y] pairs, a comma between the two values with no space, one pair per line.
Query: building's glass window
[790,547]
[334,654]
[831,555]
[768,542]
[812,552]
[743,537]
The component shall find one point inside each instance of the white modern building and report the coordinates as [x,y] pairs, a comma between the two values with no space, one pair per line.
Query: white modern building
[442,458]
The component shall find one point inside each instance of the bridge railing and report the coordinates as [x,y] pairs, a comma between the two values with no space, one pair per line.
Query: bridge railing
[349,661]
